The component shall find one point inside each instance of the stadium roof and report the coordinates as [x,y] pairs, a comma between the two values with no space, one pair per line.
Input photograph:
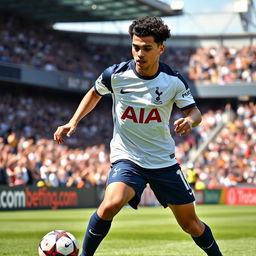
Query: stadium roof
[51,11]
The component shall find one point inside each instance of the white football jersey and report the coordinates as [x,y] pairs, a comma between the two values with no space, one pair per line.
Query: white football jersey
[142,107]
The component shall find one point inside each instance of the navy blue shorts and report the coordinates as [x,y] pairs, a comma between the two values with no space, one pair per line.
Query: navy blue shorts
[168,184]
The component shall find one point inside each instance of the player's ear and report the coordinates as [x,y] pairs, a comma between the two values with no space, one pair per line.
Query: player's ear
[161,48]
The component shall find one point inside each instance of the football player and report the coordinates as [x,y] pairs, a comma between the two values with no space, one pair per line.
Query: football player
[142,150]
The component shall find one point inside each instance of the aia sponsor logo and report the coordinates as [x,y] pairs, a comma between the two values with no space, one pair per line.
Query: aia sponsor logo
[141,117]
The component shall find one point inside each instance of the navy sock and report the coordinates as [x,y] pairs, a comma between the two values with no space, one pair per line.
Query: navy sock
[207,242]
[97,229]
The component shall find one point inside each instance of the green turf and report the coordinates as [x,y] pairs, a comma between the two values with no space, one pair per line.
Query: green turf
[147,231]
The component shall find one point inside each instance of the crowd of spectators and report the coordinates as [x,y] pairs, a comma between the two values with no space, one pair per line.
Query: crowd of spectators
[30,43]
[28,153]
[230,158]
[30,156]
[26,161]
[211,116]
[223,65]
[34,45]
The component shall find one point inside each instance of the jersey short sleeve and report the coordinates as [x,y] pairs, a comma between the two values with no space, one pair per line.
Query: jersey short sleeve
[100,87]
[183,97]
[103,83]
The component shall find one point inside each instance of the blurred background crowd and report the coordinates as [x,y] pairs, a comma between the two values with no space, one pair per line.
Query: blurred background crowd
[29,156]
[37,47]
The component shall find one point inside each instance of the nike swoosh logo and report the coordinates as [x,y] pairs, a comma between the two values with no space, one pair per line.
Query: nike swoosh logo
[122,91]
[67,244]
[90,231]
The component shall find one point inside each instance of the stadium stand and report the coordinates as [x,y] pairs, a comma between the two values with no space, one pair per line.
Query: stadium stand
[29,155]
[27,43]
[28,117]
[223,65]
[24,44]
[230,158]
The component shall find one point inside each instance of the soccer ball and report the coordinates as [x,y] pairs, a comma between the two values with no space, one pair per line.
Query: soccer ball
[58,243]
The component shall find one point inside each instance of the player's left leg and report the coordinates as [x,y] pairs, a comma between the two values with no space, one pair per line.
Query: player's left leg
[171,189]
[188,220]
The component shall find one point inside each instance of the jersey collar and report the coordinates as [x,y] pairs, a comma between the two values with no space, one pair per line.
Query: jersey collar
[133,66]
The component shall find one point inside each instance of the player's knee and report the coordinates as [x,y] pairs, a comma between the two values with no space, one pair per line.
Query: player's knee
[193,227]
[110,208]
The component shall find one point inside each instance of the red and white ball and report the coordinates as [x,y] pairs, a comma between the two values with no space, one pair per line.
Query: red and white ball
[58,243]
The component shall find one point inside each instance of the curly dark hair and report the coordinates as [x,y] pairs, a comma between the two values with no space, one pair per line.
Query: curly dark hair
[150,26]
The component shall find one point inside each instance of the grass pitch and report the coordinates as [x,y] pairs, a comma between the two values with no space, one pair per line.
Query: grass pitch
[147,231]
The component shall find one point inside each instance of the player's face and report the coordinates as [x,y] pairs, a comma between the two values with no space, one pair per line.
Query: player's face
[146,53]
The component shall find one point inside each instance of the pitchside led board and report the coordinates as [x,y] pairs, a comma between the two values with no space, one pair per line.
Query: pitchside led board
[230,196]
[29,197]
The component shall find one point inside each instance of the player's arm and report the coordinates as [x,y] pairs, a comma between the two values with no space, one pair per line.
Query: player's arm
[86,105]
[193,117]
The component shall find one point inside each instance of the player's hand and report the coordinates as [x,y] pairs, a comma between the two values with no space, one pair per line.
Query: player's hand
[68,129]
[182,126]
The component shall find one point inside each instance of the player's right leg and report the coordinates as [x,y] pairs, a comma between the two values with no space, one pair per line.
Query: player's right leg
[116,196]
[125,185]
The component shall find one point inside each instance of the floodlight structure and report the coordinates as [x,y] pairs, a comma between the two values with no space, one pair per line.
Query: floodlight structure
[175,8]
[177,5]
[246,10]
